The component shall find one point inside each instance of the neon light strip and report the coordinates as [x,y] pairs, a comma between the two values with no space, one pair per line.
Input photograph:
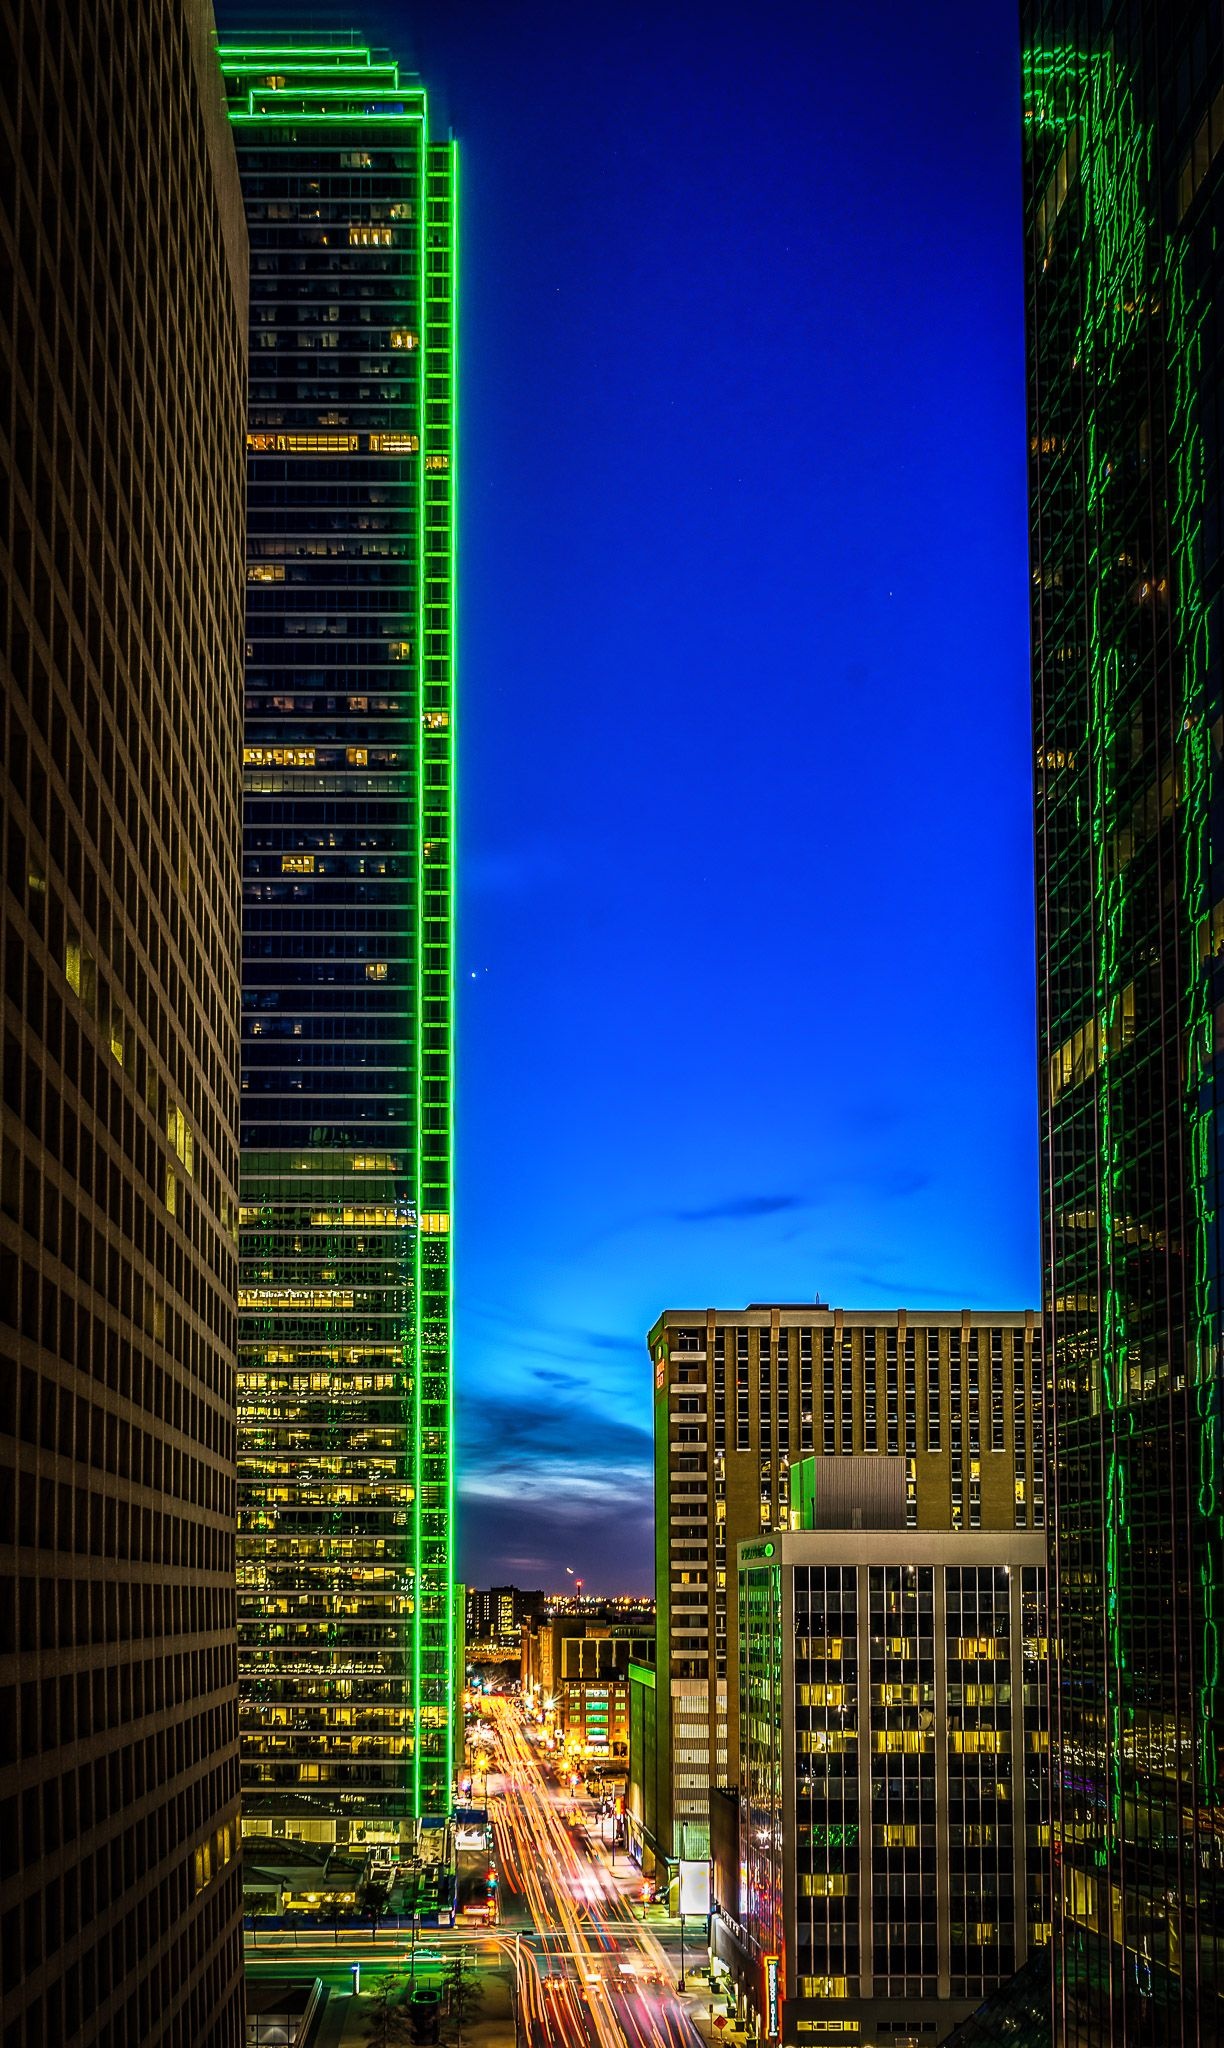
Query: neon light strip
[242,56]
[347,103]
[418,1374]
[452,810]
[358,117]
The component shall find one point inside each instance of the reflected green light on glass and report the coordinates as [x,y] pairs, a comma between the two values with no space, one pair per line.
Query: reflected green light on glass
[1133,275]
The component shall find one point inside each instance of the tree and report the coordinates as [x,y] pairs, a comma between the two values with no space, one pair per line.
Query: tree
[464,1997]
[372,1897]
[388,2021]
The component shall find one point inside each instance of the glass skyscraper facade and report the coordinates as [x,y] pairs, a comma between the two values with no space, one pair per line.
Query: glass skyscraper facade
[345,1477]
[1124,206]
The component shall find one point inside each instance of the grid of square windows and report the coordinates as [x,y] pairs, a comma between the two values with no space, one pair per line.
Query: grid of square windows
[121,550]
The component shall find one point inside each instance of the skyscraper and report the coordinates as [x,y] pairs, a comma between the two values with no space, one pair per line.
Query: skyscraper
[954,1397]
[1124,202]
[123,340]
[345,1478]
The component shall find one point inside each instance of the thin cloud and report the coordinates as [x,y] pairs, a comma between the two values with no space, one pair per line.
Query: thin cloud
[553,1340]
[741,1209]
[511,1435]
[913,1293]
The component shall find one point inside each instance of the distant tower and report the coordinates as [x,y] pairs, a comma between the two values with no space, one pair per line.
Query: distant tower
[345,1473]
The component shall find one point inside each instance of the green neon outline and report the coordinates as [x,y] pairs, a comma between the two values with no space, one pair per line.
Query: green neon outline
[437,1147]
[355,119]
[244,55]
[452,906]
[422,354]
[352,81]
[345,76]
[280,95]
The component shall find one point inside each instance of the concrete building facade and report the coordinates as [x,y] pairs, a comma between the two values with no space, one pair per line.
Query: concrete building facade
[893,1834]
[123,286]
[575,1676]
[954,1398]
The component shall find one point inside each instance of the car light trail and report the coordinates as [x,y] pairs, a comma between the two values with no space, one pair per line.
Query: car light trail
[572,1986]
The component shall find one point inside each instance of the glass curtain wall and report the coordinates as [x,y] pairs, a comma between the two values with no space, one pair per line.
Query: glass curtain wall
[1124,127]
[345,1391]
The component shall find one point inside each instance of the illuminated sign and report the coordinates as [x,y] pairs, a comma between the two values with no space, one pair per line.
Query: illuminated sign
[694,1888]
[771,1997]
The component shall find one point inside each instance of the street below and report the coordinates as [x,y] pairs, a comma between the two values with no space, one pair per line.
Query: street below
[588,1972]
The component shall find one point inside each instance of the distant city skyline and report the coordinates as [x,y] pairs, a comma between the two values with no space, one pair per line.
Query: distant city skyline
[745,938]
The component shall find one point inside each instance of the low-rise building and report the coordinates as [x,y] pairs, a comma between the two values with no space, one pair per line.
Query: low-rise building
[575,1677]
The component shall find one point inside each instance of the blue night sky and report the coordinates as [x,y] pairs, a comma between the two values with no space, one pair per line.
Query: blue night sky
[746,996]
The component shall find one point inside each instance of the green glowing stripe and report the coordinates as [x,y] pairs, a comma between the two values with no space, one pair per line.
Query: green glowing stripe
[358,116]
[419,1017]
[347,78]
[425,1336]
[452,828]
[251,53]
[437,983]
[282,100]
[234,62]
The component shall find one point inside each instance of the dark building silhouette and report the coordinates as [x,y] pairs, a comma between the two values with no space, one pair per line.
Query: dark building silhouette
[123,339]
[1124,206]
[346,1595]
[495,1613]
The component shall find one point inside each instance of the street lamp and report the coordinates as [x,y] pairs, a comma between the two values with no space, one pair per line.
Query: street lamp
[515,1991]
